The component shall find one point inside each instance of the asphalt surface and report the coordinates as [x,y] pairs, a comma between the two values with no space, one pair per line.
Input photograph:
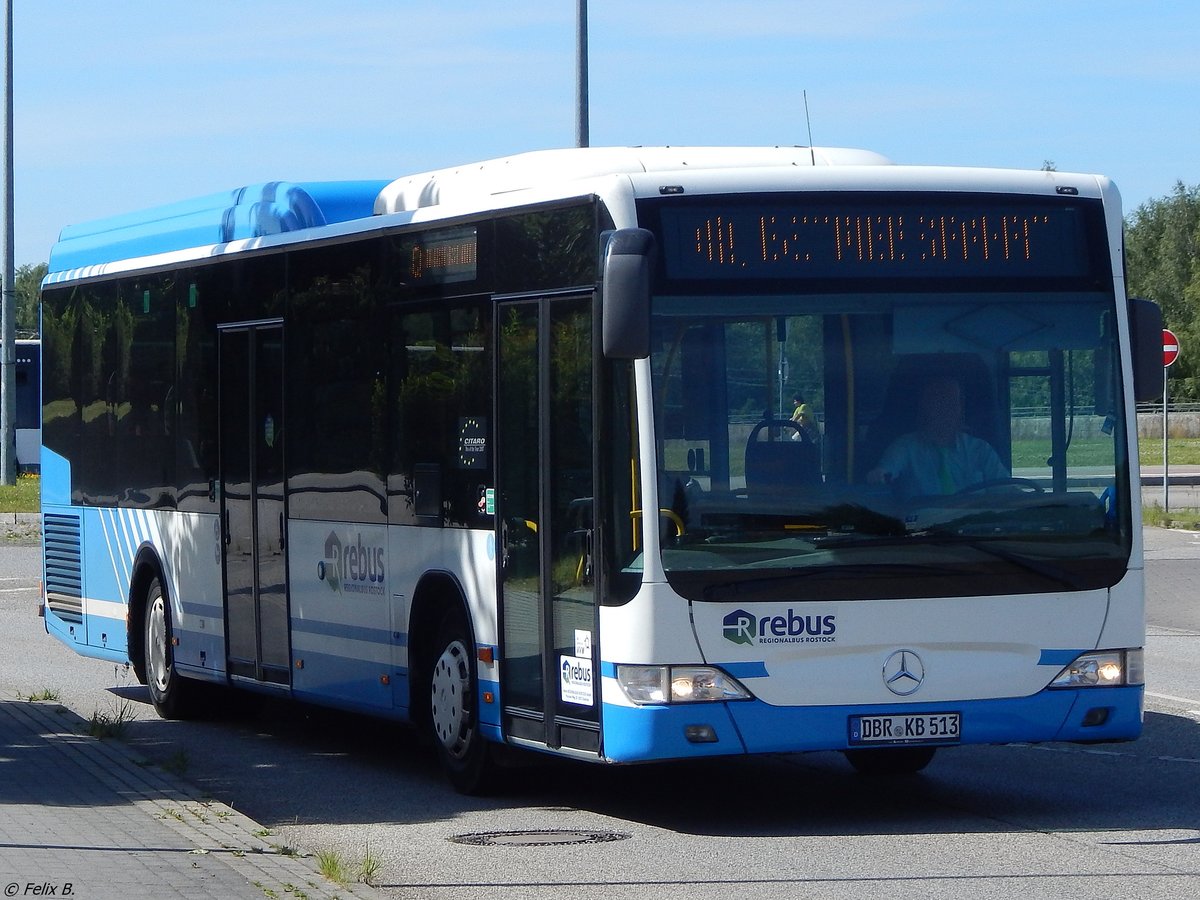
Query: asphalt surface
[89,817]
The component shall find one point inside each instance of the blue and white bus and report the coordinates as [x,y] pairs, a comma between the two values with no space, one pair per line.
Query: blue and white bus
[508,450]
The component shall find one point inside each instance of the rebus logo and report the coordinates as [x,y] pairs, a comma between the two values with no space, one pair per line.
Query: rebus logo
[329,569]
[574,672]
[352,567]
[742,627]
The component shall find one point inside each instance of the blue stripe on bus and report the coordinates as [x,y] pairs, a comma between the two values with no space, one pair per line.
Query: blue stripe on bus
[489,713]
[354,684]
[1059,657]
[757,669]
[350,632]
[745,669]
[642,734]
[203,610]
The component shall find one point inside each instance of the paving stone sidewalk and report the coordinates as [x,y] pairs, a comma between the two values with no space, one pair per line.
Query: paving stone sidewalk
[86,818]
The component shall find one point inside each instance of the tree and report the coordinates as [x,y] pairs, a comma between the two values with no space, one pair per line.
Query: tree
[28,283]
[1162,252]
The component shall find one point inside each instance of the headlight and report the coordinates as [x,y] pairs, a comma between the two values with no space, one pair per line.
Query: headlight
[1104,668]
[656,685]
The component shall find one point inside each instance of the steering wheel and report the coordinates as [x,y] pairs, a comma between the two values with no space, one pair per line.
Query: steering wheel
[1027,485]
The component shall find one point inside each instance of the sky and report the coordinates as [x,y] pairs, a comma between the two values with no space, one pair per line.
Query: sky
[129,104]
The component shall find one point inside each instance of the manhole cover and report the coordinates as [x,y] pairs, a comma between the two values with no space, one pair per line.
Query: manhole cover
[538,838]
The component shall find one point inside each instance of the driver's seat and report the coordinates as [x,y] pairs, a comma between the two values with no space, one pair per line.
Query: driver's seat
[783,465]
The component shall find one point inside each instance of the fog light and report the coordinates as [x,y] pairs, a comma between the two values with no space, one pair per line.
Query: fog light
[700,734]
[1096,716]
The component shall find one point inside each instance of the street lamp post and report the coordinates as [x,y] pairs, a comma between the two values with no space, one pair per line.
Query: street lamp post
[8,325]
[581,75]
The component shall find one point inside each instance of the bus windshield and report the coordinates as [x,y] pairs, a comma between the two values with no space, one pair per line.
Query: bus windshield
[882,395]
[872,444]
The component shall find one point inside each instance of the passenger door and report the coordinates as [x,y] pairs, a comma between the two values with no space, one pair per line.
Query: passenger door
[252,501]
[544,479]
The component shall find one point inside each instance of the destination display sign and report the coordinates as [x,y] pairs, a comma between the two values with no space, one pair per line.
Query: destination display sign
[823,236]
[447,256]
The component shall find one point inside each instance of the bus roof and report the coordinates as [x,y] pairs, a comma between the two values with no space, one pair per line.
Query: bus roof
[254,211]
[277,207]
[526,170]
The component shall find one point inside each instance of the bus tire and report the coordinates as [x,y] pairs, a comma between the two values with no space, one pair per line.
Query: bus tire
[890,760]
[173,696]
[453,714]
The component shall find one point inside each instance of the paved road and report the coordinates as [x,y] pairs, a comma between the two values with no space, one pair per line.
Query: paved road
[1173,615]
[1033,822]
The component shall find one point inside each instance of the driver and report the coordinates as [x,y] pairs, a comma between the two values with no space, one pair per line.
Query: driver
[939,457]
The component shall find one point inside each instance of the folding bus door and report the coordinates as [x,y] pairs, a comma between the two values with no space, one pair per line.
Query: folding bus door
[544,481]
[252,501]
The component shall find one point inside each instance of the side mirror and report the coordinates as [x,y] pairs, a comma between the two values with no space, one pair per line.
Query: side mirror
[628,270]
[1145,341]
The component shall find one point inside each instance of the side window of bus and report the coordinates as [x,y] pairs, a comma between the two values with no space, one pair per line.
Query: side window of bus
[62,403]
[441,403]
[122,371]
[233,291]
[336,384]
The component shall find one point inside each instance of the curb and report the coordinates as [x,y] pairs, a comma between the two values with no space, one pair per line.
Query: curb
[20,526]
[212,827]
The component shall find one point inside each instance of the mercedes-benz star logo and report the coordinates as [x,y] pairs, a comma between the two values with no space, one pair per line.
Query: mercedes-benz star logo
[903,672]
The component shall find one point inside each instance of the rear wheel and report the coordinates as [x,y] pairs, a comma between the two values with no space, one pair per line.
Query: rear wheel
[891,760]
[453,714]
[173,696]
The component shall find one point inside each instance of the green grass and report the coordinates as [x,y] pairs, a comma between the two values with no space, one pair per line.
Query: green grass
[111,724]
[1187,519]
[1181,451]
[21,497]
[333,866]
[337,868]
[44,694]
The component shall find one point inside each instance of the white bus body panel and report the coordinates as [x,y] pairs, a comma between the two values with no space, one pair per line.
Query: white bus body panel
[351,587]
[972,648]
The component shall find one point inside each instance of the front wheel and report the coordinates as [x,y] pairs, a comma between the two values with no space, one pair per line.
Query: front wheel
[172,695]
[891,760]
[453,714]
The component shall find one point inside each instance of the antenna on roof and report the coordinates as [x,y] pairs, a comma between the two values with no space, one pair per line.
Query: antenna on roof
[808,121]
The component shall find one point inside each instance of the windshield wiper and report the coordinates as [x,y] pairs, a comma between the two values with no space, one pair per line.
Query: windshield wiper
[984,545]
[747,587]
[988,547]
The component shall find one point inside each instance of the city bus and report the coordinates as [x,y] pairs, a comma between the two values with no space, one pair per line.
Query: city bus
[592,452]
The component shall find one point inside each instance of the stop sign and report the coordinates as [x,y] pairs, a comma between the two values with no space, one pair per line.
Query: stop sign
[1170,347]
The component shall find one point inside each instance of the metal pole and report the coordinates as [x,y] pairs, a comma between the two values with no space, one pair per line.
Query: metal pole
[581,75]
[8,325]
[1166,488]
